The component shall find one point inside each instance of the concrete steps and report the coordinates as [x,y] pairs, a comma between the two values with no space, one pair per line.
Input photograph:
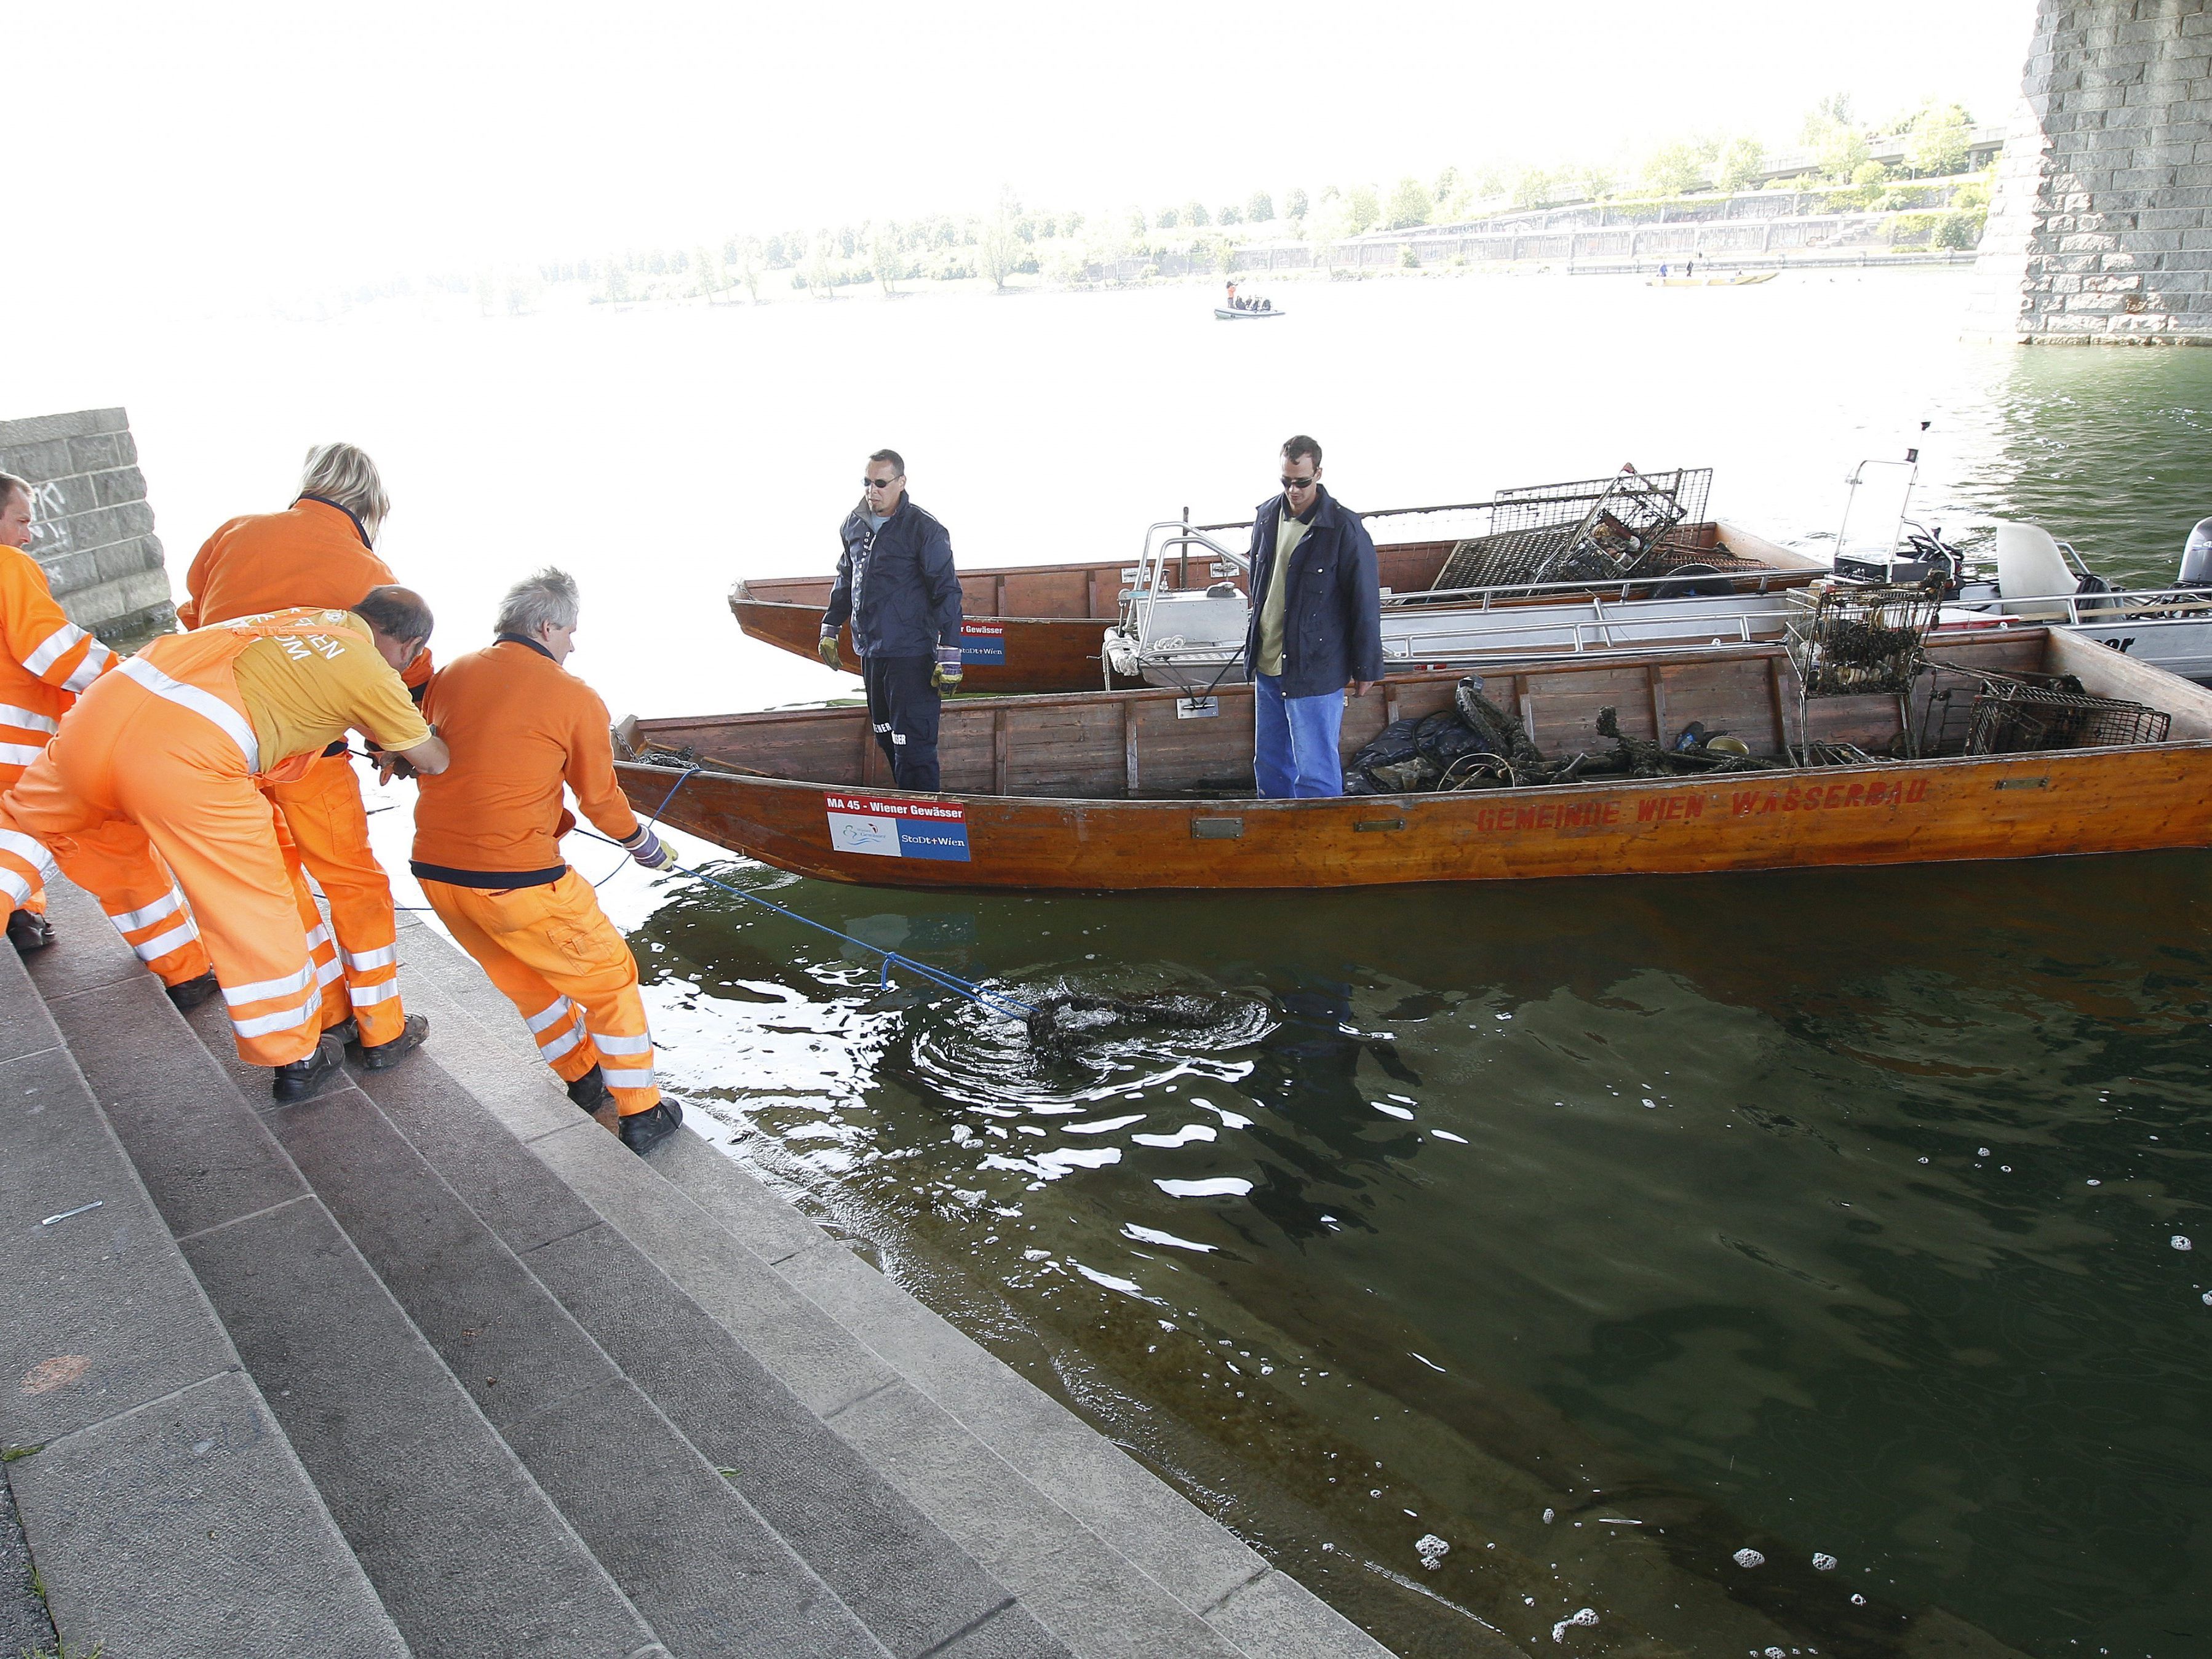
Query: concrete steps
[540,1395]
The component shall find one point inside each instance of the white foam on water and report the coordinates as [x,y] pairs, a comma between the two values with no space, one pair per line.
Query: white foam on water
[1080,1157]
[1548,1514]
[1431,1549]
[1425,1360]
[1394,1111]
[1102,1126]
[1858,1600]
[1446,1134]
[2180,1242]
[1210,1187]
[1823,1562]
[1188,1132]
[1127,1286]
[1585,1616]
[1749,1559]
[1153,1235]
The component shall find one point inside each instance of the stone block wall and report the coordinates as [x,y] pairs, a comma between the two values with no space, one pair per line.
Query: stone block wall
[93,529]
[2101,229]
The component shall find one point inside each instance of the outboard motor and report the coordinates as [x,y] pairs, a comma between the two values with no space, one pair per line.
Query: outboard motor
[2197,556]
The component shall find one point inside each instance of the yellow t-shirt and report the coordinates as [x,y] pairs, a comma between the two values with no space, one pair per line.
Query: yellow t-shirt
[1288,534]
[303,692]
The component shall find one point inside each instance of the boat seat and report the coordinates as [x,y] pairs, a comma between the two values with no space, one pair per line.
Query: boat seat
[2031,567]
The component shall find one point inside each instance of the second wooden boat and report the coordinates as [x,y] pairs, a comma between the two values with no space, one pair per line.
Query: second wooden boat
[1140,790]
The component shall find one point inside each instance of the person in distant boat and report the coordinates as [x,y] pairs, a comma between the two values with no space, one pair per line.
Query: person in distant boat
[1316,624]
[898,588]
[1235,304]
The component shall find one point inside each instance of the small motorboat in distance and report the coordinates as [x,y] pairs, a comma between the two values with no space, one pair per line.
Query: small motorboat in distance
[2002,743]
[1223,313]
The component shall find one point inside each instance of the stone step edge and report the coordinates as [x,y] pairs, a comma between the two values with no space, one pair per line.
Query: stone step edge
[515,1470]
[343,1579]
[1152,1530]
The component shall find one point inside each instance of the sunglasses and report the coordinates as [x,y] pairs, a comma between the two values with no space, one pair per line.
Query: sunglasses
[879,483]
[1300,483]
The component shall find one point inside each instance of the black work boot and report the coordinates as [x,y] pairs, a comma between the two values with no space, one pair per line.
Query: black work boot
[375,1056]
[28,930]
[347,1032]
[590,1090]
[300,1080]
[643,1131]
[193,992]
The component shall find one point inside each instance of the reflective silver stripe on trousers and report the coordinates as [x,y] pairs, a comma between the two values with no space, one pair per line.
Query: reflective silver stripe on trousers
[283,1020]
[561,1044]
[640,1044]
[131,921]
[551,1014]
[262,989]
[28,719]
[30,849]
[627,1077]
[183,933]
[20,754]
[367,996]
[362,962]
[204,703]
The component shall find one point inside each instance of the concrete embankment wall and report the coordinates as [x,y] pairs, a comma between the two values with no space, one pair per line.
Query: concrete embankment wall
[95,528]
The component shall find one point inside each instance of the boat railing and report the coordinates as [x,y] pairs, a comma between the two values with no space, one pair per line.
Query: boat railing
[1149,578]
[1763,581]
[1557,634]
[2146,605]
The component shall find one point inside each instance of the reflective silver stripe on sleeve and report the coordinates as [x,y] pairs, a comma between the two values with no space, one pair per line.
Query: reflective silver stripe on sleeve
[51,649]
[94,665]
[204,703]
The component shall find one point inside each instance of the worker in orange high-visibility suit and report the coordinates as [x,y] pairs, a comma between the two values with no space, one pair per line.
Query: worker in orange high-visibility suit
[166,755]
[45,660]
[320,552]
[488,853]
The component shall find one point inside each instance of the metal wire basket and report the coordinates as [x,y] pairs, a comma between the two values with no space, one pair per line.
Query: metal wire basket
[2008,718]
[1595,530]
[1858,641]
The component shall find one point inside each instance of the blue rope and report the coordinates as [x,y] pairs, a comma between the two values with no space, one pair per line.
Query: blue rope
[1005,1007]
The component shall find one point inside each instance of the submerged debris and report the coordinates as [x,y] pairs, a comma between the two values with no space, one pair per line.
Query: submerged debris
[1060,1022]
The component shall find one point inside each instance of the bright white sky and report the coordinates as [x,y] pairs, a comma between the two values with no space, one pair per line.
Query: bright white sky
[253,149]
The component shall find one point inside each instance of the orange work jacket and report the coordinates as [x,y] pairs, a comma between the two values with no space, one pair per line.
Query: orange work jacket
[45,659]
[518,725]
[312,554]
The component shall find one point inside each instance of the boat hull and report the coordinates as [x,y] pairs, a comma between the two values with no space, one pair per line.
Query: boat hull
[1033,653]
[2029,806]
[1221,314]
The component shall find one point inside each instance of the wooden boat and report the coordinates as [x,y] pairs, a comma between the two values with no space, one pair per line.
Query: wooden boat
[1041,627]
[1738,279]
[1224,314]
[1134,790]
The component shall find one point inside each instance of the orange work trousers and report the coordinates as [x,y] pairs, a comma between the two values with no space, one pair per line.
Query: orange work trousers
[134,775]
[326,831]
[570,975]
[141,898]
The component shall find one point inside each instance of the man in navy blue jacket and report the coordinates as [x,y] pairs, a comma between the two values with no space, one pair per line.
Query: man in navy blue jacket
[1316,625]
[896,586]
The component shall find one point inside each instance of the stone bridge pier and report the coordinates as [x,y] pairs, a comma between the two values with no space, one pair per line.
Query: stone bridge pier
[2100,226]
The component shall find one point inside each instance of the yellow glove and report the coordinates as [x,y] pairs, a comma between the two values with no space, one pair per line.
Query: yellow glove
[945,677]
[828,650]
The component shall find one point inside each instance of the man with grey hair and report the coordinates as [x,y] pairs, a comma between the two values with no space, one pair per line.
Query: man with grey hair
[321,551]
[488,854]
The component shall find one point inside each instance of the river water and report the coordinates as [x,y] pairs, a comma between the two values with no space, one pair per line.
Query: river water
[1603,1229]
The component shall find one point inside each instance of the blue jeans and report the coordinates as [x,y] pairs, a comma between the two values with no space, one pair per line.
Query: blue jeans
[1294,751]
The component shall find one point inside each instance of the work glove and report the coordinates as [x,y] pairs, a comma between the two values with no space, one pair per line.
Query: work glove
[828,648]
[945,677]
[646,847]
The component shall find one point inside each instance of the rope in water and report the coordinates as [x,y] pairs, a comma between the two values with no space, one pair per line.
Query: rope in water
[1005,1007]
